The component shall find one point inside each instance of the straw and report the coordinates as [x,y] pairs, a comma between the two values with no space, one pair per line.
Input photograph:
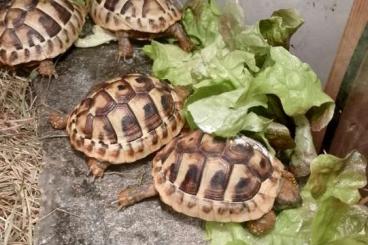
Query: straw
[20,158]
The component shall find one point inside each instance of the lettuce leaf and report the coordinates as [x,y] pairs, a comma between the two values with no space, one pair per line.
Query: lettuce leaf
[212,64]
[218,64]
[201,21]
[304,151]
[171,63]
[219,115]
[278,29]
[237,75]
[338,177]
[293,81]
[274,31]
[235,59]
[332,217]
[344,221]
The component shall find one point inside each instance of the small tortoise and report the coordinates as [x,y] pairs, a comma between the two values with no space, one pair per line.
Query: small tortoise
[139,19]
[233,180]
[35,31]
[123,120]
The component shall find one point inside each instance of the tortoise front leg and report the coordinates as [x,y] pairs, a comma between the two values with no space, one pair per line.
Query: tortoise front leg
[289,194]
[125,47]
[47,68]
[132,195]
[57,120]
[263,225]
[97,168]
[178,32]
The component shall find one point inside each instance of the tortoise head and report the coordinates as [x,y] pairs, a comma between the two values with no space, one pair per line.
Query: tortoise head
[289,195]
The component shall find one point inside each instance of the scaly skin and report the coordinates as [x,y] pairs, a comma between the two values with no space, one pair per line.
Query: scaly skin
[263,225]
[132,195]
[97,168]
[57,120]
[125,47]
[47,69]
[288,197]
[178,32]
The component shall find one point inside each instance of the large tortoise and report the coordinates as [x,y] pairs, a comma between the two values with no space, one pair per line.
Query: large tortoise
[139,19]
[233,180]
[35,31]
[123,120]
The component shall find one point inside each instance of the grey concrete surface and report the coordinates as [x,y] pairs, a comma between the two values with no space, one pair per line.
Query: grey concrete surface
[76,210]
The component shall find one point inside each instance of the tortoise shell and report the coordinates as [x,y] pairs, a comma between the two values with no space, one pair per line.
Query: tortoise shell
[125,119]
[151,16]
[233,180]
[35,30]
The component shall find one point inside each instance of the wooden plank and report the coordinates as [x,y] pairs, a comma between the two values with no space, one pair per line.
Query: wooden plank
[352,130]
[354,28]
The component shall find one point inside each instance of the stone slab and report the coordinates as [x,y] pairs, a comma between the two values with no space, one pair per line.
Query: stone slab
[76,210]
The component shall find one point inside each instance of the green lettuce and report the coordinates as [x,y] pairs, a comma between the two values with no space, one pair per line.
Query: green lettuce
[244,80]
[171,63]
[234,59]
[336,221]
[304,151]
[212,64]
[292,81]
[338,177]
[274,31]
[329,214]
[278,29]
[201,21]
[218,115]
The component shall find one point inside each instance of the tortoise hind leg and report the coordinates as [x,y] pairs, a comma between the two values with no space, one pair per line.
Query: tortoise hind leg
[57,120]
[125,47]
[47,68]
[263,225]
[178,32]
[132,195]
[97,168]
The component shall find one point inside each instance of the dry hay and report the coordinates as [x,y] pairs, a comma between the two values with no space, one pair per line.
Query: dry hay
[20,158]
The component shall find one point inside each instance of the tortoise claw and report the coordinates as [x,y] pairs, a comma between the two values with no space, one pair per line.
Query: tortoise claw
[96,168]
[126,59]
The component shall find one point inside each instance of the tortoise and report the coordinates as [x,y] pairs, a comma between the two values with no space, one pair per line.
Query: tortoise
[122,120]
[216,179]
[35,31]
[139,19]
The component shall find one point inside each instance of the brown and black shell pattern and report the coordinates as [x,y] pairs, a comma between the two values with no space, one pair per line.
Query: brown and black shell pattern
[151,16]
[233,180]
[125,119]
[35,30]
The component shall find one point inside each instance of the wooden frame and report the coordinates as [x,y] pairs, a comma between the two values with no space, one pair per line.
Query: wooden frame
[354,28]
